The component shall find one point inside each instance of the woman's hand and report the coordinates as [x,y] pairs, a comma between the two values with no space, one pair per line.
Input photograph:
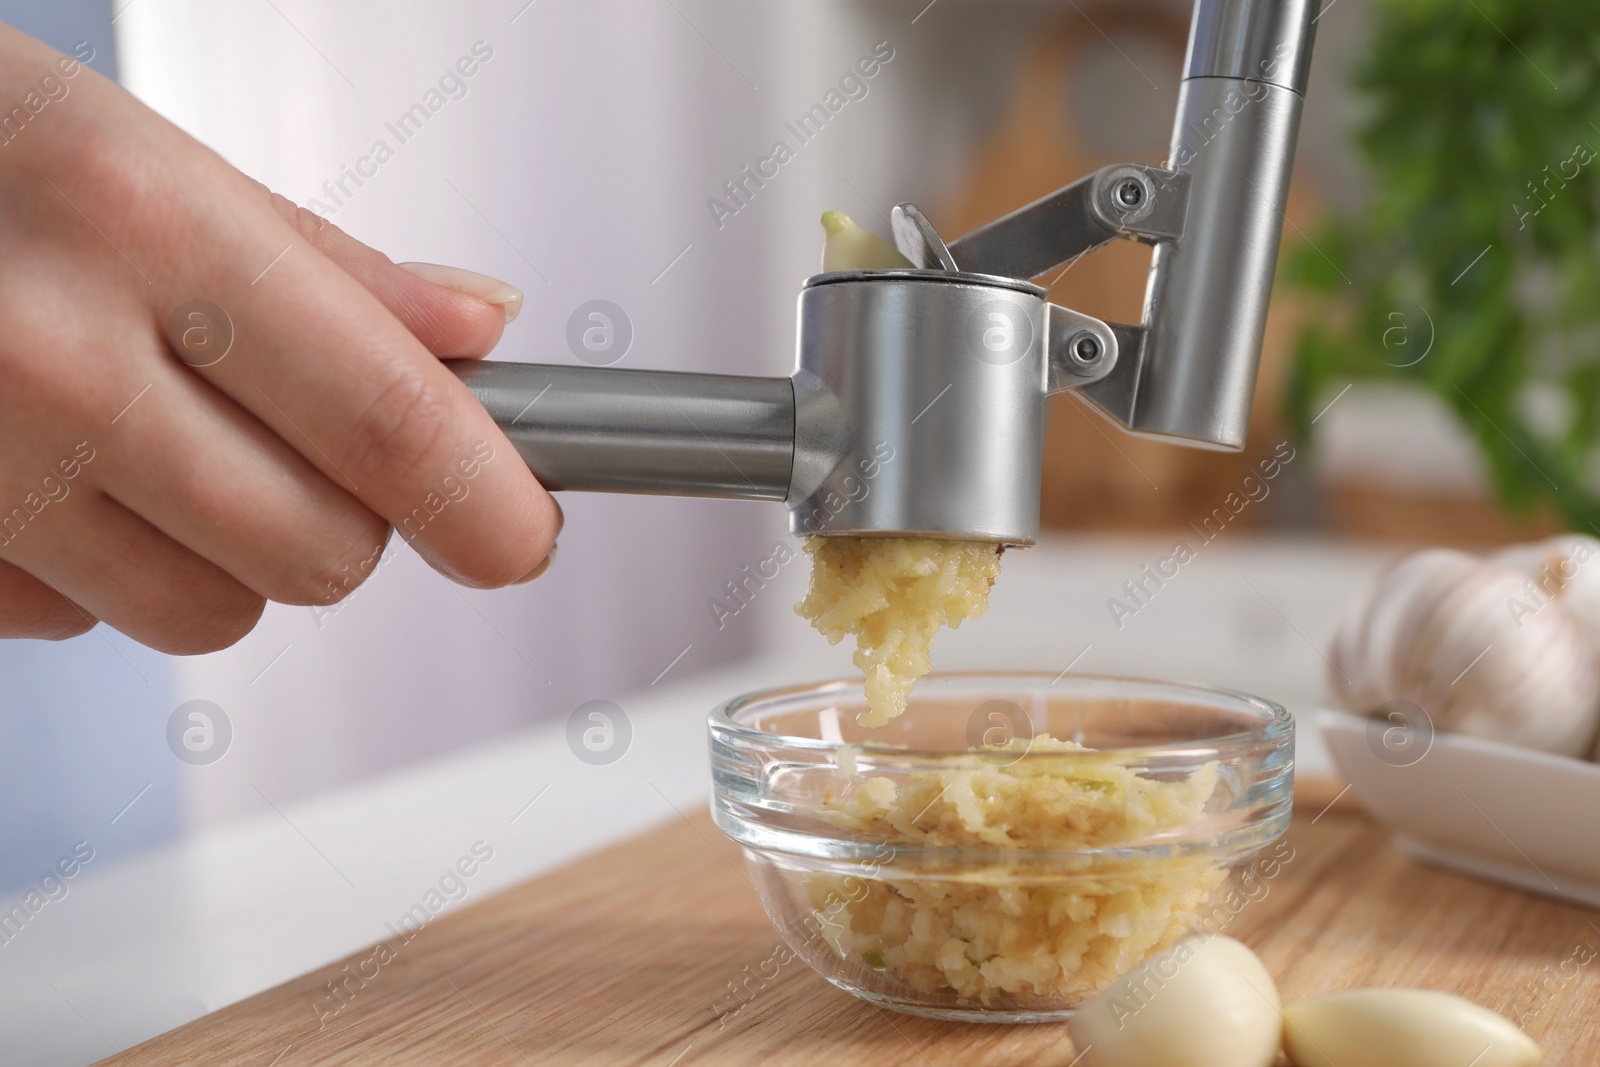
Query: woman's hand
[210,398]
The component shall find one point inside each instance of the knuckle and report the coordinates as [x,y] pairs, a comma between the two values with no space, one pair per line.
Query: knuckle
[208,623]
[311,226]
[67,625]
[307,223]
[111,169]
[53,620]
[102,160]
[31,609]
[332,577]
[34,324]
[399,433]
[187,606]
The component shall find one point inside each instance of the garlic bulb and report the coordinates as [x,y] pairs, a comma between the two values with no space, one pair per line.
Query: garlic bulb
[1460,637]
[1205,1002]
[1415,1027]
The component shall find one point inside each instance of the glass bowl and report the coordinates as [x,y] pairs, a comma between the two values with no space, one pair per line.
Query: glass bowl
[969,861]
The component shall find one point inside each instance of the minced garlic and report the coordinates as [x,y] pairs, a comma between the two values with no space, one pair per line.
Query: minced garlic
[1010,929]
[894,594]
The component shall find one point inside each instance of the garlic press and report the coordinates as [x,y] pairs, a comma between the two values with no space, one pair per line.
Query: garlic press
[917,404]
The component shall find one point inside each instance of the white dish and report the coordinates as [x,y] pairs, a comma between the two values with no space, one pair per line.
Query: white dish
[1511,815]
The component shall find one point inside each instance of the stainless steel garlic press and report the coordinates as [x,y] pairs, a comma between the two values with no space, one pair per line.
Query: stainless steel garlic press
[917,405]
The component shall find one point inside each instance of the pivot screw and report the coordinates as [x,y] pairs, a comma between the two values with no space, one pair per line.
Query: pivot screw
[1129,193]
[1085,348]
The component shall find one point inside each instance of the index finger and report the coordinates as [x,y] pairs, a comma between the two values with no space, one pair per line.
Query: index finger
[317,358]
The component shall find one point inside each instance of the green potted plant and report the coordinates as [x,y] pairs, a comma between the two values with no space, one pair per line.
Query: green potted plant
[1474,268]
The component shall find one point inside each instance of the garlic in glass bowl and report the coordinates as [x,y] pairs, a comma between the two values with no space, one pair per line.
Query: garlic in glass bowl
[927,867]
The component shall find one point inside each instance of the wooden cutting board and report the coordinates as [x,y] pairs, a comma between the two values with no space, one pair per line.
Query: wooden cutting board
[628,956]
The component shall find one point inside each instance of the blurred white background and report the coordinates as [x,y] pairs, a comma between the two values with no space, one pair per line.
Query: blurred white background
[578,164]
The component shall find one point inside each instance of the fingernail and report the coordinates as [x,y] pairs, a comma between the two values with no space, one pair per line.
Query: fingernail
[544,565]
[491,290]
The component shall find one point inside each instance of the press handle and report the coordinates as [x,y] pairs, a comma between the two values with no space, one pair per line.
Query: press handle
[1234,136]
[639,431]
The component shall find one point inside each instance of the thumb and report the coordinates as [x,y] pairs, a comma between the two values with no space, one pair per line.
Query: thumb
[455,313]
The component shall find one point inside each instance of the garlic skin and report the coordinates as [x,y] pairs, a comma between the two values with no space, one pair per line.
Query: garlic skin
[1414,1027]
[1205,1002]
[1559,571]
[1439,628]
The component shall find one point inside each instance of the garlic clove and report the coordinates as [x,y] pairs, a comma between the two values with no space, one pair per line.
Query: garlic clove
[1414,1027]
[1564,570]
[1371,644]
[1205,1002]
[849,247]
[1563,577]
